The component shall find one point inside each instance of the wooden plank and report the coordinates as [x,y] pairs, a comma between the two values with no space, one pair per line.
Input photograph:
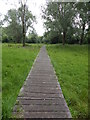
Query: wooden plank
[45,91]
[41,102]
[43,115]
[42,108]
[40,95]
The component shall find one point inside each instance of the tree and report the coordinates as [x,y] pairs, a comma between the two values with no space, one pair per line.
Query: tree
[13,29]
[82,11]
[18,22]
[0,29]
[68,20]
[58,17]
[32,37]
[26,18]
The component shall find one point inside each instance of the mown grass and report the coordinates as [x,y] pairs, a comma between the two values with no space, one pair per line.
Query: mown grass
[71,66]
[16,64]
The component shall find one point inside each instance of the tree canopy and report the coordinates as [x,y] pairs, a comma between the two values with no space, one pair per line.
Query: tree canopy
[65,22]
[67,19]
[15,23]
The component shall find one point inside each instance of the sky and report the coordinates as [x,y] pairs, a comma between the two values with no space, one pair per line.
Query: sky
[33,5]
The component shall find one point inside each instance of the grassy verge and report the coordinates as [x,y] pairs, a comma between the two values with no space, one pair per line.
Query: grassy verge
[16,63]
[71,66]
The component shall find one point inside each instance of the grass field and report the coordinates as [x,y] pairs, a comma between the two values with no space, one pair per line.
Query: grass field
[71,66]
[16,63]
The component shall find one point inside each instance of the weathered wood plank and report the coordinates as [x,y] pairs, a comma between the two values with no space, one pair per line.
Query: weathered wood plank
[42,108]
[40,95]
[41,102]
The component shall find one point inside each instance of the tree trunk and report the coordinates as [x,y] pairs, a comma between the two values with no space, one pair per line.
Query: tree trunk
[23,26]
[59,33]
[64,37]
[82,35]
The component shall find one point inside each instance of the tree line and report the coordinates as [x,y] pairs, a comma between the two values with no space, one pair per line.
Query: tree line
[66,22]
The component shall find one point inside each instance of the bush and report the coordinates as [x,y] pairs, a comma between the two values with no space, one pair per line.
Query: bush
[73,41]
[54,40]
[5,39]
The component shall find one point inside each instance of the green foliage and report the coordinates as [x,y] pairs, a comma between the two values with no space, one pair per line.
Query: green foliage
[26,19]
[40,39]
[28,16]
[71,66]
[14,19]
[14,30]
[32,38]
[5,38]
[59,17]
[16,63]
[68,20]
[51,37]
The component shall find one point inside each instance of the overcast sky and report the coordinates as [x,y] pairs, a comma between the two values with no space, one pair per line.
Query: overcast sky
[34,6]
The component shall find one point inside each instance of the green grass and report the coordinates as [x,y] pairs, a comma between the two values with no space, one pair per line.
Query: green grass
[16,64]
[71,66]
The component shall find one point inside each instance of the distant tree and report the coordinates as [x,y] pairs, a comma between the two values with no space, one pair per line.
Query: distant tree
[40,39]
[0,29]
[82,11]
[68,20]
[18,22]
[32,37]
[1,22]
[26,19]
[14,28]
[58,17]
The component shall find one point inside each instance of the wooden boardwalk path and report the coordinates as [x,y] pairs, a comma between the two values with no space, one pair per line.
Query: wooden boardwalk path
[41,95]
